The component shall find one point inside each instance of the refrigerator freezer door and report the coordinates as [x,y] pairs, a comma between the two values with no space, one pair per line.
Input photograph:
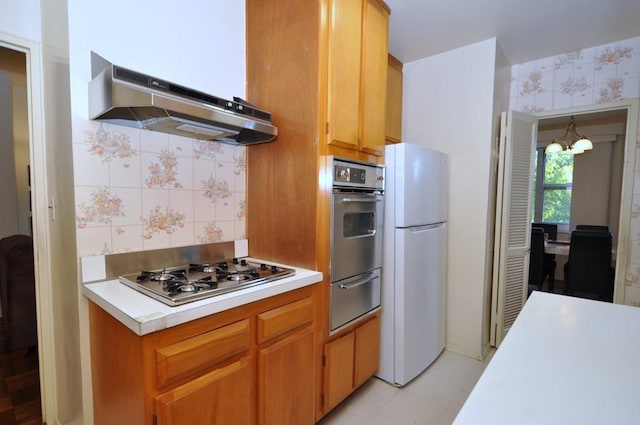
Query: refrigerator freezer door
[420,297]
[420,179]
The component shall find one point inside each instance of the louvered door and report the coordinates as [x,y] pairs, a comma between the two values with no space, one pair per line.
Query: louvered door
[518,133]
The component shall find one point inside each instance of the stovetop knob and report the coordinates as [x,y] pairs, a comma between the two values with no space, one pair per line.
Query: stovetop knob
[234,261]
[274,269]
[263,266]
[243,262]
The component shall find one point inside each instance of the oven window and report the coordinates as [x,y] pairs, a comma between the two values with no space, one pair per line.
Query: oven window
[359,224]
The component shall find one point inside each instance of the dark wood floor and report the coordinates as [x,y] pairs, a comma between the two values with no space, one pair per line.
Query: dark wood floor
[19,385]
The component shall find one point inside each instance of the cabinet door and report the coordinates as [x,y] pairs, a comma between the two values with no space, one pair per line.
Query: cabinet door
[367,351]
[222,396]
[286,372]
[338,370]
[374,77]
[394,101]
[345,46]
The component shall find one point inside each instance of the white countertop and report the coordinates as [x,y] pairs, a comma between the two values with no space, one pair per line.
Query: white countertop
[564,361]
[143,314]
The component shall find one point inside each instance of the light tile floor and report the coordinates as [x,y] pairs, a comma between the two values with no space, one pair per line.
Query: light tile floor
[432,398]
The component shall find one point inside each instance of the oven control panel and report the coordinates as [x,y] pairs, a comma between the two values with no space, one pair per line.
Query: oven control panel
[350,174]
[357,175]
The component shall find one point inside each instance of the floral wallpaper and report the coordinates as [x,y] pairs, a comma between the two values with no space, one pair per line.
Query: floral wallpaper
[592,76]
[140,190]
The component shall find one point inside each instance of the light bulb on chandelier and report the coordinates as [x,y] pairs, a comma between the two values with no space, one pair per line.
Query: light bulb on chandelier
[570,141]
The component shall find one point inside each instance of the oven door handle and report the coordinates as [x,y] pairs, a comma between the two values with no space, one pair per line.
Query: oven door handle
[348,200]
[358,282]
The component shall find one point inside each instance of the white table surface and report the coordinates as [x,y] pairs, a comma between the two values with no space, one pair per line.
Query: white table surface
[564,361]
[143,314]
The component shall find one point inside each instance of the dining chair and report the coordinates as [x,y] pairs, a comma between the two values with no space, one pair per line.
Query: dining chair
[539,267]
[552,231]
[589,267]
[549,228]
[592,227]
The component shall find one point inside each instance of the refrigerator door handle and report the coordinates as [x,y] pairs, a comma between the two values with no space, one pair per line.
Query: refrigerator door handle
[427,227]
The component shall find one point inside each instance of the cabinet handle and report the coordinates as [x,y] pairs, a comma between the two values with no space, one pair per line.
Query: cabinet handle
[356,283]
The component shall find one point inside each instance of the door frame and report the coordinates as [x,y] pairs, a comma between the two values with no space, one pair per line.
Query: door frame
[632,106]
[40,217]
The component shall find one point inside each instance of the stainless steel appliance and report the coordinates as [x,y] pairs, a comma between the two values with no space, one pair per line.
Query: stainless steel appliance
[179,285]
[356,240]
[121,96]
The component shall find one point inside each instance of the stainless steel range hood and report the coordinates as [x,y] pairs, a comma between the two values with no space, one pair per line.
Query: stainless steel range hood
[120,96]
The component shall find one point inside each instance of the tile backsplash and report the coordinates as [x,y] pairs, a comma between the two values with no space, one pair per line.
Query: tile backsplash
[139,190]
[591,76]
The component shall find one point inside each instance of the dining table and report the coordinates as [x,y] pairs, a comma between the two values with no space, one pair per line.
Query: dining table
[560,247]
[557,247]
[565,361]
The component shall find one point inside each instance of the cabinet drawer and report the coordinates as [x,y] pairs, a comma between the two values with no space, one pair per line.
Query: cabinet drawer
[281,320]
[186,357]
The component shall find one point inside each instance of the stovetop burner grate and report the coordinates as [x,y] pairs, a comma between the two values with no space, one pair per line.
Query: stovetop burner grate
[179,285]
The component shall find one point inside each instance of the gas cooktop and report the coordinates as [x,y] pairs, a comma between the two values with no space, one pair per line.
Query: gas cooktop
[178,285]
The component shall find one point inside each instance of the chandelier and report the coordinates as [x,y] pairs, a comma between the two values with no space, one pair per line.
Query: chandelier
[571,141]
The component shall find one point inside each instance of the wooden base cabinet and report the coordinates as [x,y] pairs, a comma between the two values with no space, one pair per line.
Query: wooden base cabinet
[222,396]
[286,381]
[250,365]
[350,360]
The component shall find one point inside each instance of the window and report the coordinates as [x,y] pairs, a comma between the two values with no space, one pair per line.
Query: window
[553,181]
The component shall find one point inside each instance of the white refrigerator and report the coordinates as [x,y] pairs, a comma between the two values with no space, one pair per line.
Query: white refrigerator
[414,269]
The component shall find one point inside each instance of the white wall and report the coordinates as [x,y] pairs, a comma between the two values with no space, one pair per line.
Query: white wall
[191,42]
[448,106]
[21,18]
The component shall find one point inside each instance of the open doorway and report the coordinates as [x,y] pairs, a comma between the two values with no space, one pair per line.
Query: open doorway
[612,128]
[509,286]
[20,393]
[583,189]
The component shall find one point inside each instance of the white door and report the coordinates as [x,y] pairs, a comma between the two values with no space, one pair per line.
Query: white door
[518,132]
[420,178]
[420,282]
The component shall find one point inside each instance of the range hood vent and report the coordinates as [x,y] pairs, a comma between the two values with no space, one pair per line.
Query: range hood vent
[120,96]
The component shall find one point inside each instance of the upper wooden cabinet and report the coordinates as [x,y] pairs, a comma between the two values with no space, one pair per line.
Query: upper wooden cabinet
[394,101]
[357,58]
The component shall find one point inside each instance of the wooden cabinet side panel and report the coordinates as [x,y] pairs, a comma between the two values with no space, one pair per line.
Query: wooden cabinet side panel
[374,77]
[222,396]
[338,370]
[286,384]
[394,101]
[283,54]
[367,351]
[187,357]
[116,365]
[345,61]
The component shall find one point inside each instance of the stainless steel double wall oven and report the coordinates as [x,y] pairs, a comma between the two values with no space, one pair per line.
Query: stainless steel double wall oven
[356,240]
